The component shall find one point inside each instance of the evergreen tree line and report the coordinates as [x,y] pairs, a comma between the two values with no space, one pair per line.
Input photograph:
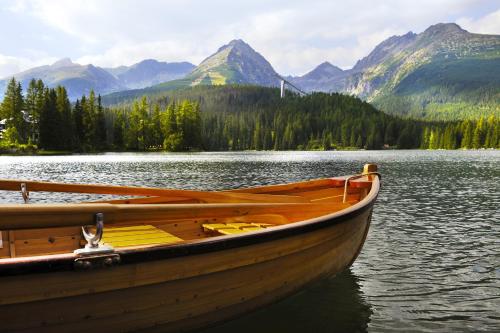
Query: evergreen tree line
[175,127]
[224,118]
[45,117]
[246,117]
[484,133]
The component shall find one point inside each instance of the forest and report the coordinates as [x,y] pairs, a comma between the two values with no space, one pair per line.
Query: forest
[215,118]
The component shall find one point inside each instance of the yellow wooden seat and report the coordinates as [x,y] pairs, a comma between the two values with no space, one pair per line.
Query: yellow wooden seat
[240,225]
[214,226]
[232,228]
[263,225]
[230,231]
[253,228]
[137,236]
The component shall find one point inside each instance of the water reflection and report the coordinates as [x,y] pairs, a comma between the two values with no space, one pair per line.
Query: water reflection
[333,305]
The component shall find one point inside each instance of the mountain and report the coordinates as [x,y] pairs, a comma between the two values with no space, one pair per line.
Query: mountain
[319,77]
[234,63]
[150,72]
[78,79]
[444,72]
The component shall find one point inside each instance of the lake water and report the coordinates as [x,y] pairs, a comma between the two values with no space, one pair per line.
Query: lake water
[431,262]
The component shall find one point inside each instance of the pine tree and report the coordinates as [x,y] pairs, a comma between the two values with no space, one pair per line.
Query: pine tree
[89,121]
[257,136]
[49,121]
[34,102]
[100,127]
[79,130]
[118,131]
[477,136]
[155,130]
[467,135]
[65,116]
[11,109]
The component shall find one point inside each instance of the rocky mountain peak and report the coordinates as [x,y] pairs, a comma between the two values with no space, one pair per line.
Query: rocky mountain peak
[64,62]
[324,70]
[384,50]
[235,62]
[444,29]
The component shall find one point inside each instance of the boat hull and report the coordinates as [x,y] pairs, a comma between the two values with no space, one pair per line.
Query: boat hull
[180,293]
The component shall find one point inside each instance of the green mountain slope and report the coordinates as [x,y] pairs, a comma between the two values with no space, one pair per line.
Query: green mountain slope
[236,117]
[447,73]
[234,63]
[444,72]
[463,88]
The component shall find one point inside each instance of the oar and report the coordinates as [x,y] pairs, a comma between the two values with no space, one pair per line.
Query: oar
[15,185]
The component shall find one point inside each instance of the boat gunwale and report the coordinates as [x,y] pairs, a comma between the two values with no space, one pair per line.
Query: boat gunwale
[65,262]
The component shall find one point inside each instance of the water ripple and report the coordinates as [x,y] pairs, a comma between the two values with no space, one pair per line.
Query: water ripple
[431,262]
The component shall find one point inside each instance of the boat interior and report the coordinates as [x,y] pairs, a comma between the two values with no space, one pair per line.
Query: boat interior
[159,217]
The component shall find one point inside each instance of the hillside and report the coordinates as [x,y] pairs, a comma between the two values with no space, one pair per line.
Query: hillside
[236,117]
[226,117]
[234,63]
[444,72]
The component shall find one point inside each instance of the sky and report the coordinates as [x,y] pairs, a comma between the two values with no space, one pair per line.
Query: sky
[294,36]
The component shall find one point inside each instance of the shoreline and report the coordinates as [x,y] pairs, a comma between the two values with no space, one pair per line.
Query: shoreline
[68,153]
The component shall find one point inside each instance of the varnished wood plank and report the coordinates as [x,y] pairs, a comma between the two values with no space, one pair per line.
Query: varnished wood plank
[15,185]
[12,244]
[66,284]
[5,250]
[194,295]
[41,246]
[59,215]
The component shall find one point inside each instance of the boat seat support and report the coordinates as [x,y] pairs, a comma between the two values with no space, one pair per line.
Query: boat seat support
[346,183]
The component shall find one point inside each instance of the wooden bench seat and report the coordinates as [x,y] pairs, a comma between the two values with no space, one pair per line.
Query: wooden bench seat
[231,228]
[137,236]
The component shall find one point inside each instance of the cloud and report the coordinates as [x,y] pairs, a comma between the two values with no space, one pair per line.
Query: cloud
[17,6]
[293,35]
[128,54]
[489,24]
[10,65]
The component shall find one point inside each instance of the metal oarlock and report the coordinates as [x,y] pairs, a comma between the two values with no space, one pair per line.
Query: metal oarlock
[94,254]
[93,245]
[25,193]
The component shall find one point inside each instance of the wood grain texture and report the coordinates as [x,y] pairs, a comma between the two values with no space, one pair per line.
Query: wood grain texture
[205,196]
[187,292]
[175,293]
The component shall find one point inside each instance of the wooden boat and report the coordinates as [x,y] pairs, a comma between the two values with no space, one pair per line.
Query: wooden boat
[172,260]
